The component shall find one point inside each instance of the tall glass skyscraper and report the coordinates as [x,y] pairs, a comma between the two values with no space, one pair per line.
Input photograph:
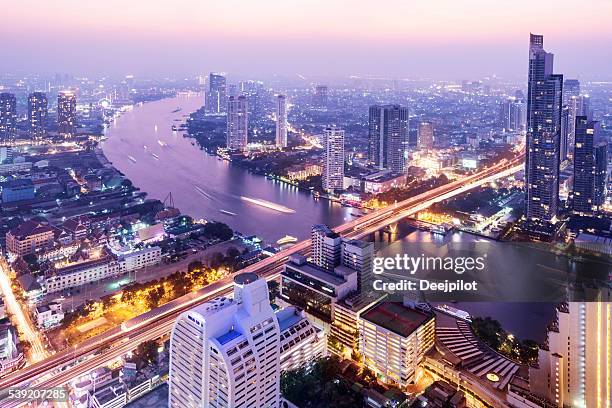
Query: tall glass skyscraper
[237,123]
[388,137]
[544,111]
[333,159]
[590,167]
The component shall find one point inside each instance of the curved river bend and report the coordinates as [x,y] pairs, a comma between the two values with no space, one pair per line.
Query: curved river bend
[142,145]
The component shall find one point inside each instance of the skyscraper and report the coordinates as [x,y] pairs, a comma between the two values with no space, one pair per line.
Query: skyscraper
[565,134]
[388,137]
[571,88]
[237,123]
[226,353]
[216,95]
[333,159]
[37,113]
[358,255]
[544,101]
[590,167]
[66,113]
[8,114]
[281,121]
[425,136]
[575,367]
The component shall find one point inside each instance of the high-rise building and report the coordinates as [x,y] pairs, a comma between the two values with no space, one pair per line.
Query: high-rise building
[8,114]
[66,113]
[564,149]
[281,121]
[333,159]
[388,137]
[571,88]
[544,102]
[237,123]
[513,115]
[394,339]
[216,97]
[425,136]
[38,107]
[358,255]
[320,97]
[590,167]
[226,353]
[326,247]
[575,366]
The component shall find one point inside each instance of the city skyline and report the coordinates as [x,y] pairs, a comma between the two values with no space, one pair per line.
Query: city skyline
[154,40]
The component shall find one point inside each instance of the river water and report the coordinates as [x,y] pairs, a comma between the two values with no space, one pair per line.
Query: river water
[142,145]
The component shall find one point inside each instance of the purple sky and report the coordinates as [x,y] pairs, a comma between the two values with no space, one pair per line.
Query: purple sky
[451,39]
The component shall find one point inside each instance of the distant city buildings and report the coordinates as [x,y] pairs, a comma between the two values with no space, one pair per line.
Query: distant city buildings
[544,103]
[38,108]
[388,137]
[216,96]
[513,115]
[66,113]
[590,167]
[229,353]
[8,114]
[237,123]
[333,159]
[575,366]
[320,96]
[281,121]
[425,136]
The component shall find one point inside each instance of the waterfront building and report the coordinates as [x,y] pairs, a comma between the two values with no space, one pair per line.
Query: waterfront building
[575,365]
[590,167]
[281,121]
[8,114]
[229,353]
[425,136]
[66,113]
[38,107]
[544,101]
[326,247]
[394,340]
[237,123]
[216,97]
[320,97]
[333,159]
[28,237]
[303,171]
[388,137]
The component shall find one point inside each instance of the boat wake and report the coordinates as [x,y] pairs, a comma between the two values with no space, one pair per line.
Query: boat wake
[202,192]
[268,204]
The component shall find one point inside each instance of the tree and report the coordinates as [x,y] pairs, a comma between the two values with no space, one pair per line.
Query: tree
[194,266]
[274,290]
[146,353]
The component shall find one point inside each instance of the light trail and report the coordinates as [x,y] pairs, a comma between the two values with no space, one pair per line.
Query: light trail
[268,204]
[24,324]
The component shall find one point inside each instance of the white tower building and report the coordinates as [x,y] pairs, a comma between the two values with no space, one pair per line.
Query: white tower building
[333,159]
[237,122]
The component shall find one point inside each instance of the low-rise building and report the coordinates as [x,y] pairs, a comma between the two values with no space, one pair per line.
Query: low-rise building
[49,315]
[28,237]
[10,357]
[300,340]
[383,181]
[17,190]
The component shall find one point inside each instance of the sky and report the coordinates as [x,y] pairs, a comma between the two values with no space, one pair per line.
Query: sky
[443,39]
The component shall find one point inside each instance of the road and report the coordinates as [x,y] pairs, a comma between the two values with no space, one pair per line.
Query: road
[24,324]
[151,325]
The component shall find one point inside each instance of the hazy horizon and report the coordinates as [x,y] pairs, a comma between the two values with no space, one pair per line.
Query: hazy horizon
[334,38]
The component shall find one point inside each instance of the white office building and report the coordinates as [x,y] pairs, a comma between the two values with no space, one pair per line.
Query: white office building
[237,123]
[333,159]
[230,352]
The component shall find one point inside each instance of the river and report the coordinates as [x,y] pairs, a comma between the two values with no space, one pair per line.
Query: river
[142,145]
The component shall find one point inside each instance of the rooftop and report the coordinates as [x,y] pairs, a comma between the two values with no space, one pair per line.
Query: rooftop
[229,336]
[396,317]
